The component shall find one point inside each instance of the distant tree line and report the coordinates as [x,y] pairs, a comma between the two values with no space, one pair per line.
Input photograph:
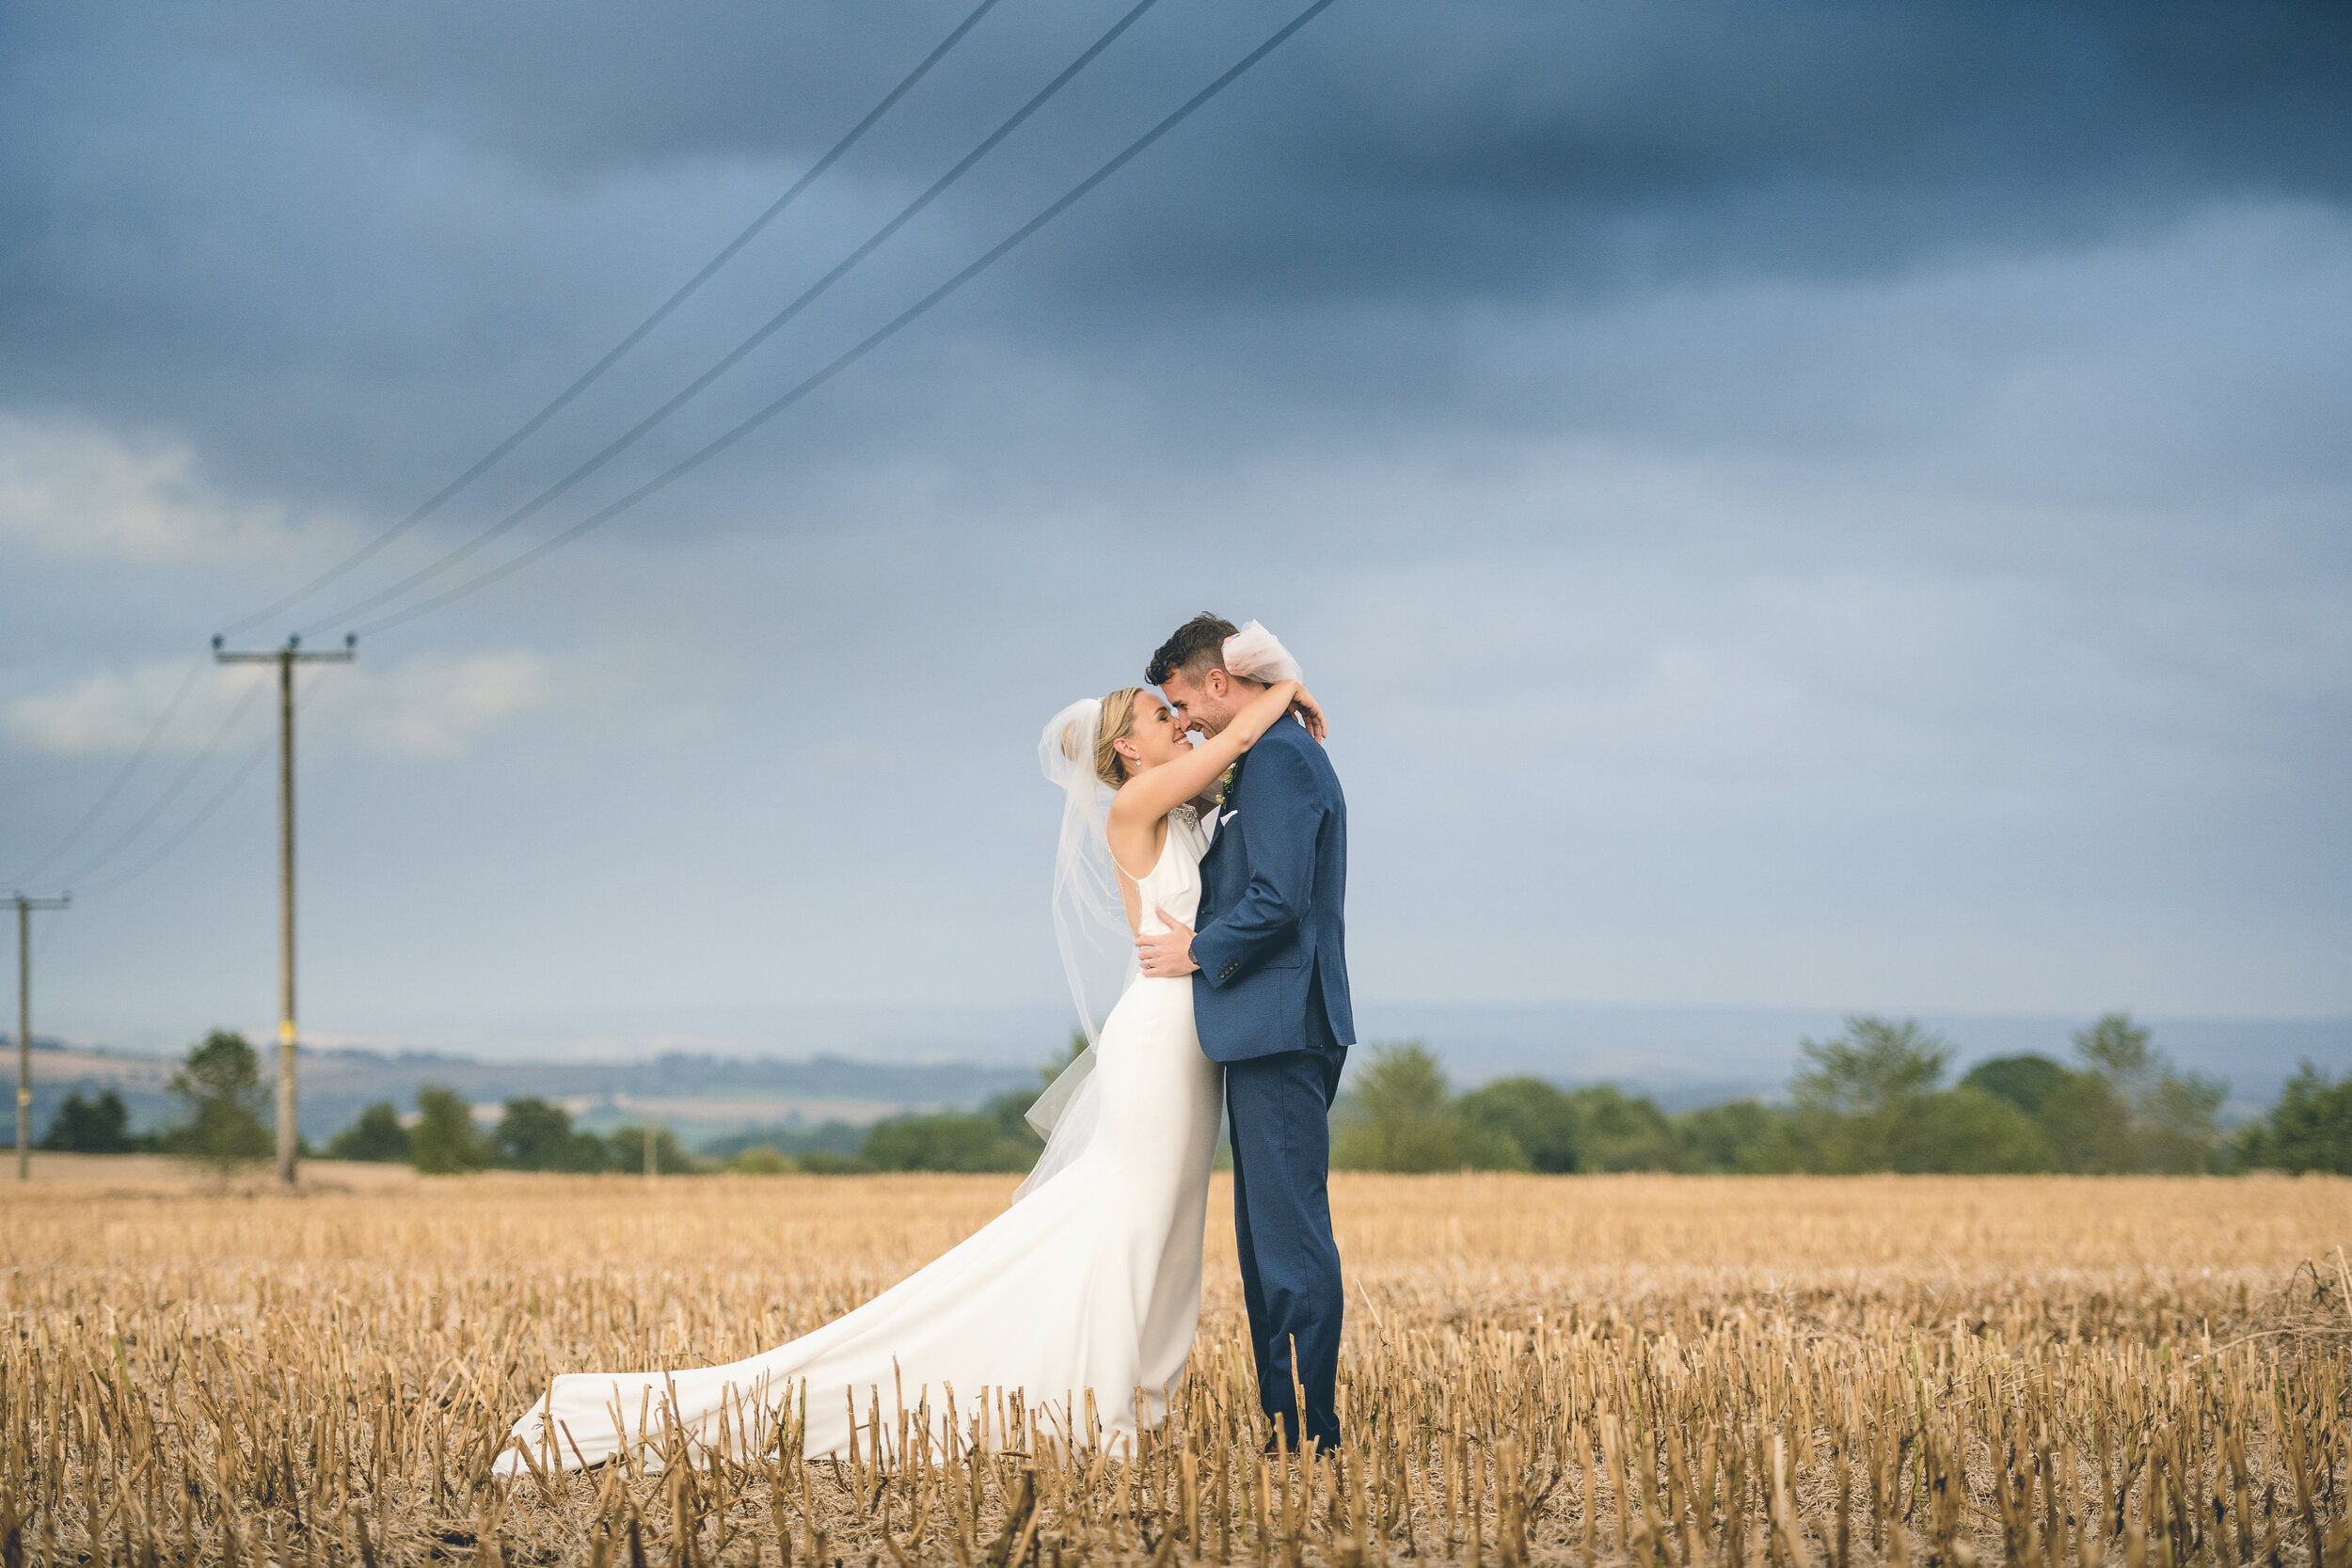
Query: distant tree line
[995,1137]
[2309,1128]
[221,1112]
[1875,1098]
[222,1117]
[531,1133]
[444,1139]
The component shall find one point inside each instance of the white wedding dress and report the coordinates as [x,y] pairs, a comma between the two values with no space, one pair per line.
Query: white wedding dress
[1090,1281]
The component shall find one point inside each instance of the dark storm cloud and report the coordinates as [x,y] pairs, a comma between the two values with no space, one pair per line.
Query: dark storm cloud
[1408,151]
[1420,149]
[343,248]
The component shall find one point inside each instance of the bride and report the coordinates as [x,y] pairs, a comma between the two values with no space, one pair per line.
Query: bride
[1082,1296]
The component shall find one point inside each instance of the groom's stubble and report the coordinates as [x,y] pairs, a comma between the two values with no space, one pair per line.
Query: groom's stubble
[1208,704]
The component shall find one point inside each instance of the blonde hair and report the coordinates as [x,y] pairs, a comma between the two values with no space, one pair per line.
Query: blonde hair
[1119,723]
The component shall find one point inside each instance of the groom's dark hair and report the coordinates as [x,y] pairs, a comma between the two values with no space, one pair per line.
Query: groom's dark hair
[1197,647]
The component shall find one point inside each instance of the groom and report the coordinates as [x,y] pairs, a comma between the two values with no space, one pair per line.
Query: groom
[1270,995]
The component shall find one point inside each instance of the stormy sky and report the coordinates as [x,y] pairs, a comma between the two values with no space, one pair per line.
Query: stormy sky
[1815,507]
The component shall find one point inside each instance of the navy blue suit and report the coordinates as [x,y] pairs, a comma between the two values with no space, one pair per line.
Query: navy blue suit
[1271,1003]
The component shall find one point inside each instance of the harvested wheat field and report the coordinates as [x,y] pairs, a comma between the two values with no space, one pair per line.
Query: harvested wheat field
[1671,1372]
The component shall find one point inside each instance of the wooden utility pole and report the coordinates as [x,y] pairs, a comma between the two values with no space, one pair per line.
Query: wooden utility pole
[25,908]
[286,659]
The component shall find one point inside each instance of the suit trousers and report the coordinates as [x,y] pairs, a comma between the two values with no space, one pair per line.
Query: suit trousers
[1278,1108]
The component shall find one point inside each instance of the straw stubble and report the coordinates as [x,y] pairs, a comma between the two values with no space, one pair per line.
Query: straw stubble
[1669,1373]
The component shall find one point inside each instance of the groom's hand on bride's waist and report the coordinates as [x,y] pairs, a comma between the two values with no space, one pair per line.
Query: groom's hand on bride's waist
[1166,954]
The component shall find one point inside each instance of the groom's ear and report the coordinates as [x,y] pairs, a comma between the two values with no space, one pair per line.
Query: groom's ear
[1213,683]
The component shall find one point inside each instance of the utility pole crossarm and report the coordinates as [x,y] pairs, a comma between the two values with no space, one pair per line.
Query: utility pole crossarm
[331,656]
[25,908]
[286,659]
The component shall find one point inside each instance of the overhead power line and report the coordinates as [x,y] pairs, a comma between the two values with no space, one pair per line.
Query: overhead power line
[106,797]
[662,312]
[204,812]
[735,355]
[187,775]
[187,830]
[864,346]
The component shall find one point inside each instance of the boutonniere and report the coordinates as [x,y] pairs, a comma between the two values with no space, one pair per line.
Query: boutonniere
[1225,784]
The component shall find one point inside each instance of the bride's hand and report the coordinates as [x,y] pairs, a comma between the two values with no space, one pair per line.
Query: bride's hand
[1309,711]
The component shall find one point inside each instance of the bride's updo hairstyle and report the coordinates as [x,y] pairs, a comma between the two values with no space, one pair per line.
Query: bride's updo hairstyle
[1117,723]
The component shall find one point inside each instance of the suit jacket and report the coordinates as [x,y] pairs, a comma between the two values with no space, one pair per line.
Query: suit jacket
[1271,935]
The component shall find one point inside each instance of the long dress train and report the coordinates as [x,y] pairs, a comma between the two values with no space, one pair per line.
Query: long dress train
[1090,1282]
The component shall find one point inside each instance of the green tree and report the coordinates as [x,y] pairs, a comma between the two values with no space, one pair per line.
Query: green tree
[101,1126]
[1537,1116]
[532,1134]
[1744,1137]
[1397,1116]
[378,1136]
[2088,1126]
[1621,1132]
[2149,1116]
[221,1099]
[445,1141]
[2179,1123]
[1970,1131]
[2309,1129]
[1009,1111]
[1859,1095]
[1874,1070]
[951,1140]
[2116,1048]
[1400,1117]
[2029,1082]
[998,1137]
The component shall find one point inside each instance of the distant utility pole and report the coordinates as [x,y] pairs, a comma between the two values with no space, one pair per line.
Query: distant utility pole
[25,908]
[286,659]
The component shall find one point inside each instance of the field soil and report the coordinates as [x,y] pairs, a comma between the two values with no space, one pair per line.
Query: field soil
[1672,1372]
